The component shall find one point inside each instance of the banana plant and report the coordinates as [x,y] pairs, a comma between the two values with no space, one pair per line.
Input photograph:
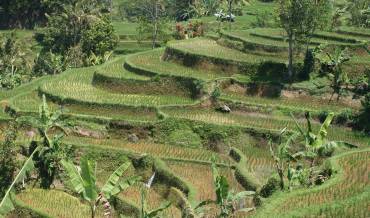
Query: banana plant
[83,182]
[47,160]
[332,63]
[317,145]
[282,155]
[46,156]
[227,199]
[298,174]
[145,213]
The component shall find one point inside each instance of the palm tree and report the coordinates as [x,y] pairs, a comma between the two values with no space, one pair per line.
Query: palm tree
[317,145]
[83,182]
[227,199]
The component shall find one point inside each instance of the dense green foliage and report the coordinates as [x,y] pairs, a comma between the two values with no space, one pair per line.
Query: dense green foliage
[359,12]
[8,164]
[363,121]
[81,33]
[14,68]
[48,159]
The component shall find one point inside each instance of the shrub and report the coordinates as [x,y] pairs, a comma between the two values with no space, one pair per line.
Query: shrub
[308,66]
[179,31]
[194,28]
[325,172]
[99,38]
[270,187]
[344,117]
[363,119]
[75,57]
[322,116]
[264,19]
[216,93]
[185,138]
[48,63]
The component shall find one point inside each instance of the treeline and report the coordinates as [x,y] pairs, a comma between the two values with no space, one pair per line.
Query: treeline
[77,33]
[30,14]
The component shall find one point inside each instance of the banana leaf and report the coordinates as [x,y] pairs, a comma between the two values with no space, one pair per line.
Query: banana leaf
[89,181]
[75,179]
[113,180]
[155,213]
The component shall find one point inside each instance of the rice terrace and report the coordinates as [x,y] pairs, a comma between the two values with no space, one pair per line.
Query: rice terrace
[184,108]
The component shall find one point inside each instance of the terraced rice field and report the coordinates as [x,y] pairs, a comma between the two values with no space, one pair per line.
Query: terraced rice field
[158,150]
[76,86]
[344,196]
[114,69]
[301,103]
[154,200]
[259,162]
[260,122]
[192,173]
[209,48]
[55,203]
[152,61]
[319,38]
[79,94]
[30,103]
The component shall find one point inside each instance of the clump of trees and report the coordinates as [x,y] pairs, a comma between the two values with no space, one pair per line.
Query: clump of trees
[81,33]
[78,33]
[21,14]
[359,11]
[14,65]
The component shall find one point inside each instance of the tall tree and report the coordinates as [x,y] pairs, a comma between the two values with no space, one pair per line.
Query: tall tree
[152,14]
[80,32]
[300,19]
